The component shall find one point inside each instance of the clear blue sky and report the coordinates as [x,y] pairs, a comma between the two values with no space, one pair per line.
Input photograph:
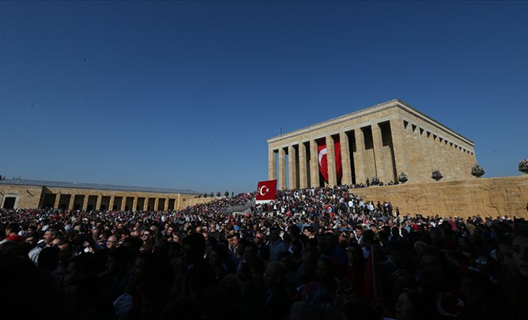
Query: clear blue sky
[185,94]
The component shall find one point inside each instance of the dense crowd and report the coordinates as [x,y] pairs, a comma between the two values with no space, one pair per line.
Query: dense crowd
[319,253]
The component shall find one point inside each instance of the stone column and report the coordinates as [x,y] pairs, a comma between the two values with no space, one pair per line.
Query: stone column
[177,202]
[57,201]
[111,203]
[145,204]
[346,168]
[314,165]
[379,159]
[430,158]
[71,205]
[419,156]
[456,163]
[398,146]
[272,165]
[330,156]
[282,169]
[292,168]
[446,165]
[166,206]
[431,141]
[135,203]
[98,203]
[123,203]
[156,204]
[85,202]
[466,167]
[303,172]
[469,162]
[359,162]
[448,174]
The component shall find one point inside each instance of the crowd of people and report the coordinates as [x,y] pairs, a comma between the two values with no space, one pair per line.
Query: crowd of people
[319,253]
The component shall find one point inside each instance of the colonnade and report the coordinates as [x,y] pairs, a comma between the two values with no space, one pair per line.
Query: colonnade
[87,202]
[375,148]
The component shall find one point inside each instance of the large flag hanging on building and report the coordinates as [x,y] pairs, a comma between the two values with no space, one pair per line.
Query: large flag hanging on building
[323,158]
[266,191]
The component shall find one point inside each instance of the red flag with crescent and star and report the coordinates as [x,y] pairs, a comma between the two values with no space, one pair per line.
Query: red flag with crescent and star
[266,191]
[323,159]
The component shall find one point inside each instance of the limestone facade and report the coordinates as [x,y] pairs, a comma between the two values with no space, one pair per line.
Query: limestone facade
[384,141]
[40,195]
[487,197]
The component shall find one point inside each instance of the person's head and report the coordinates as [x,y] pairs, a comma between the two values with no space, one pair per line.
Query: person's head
[143,266]
[146,235]
[96,233]
[355,255]
[217,254]
[396,255]
[82,293]
[12,228]
[258,269]
[297,247]
[274,275]
[194,247]
[111,242]
[358,230]
[475,287]
[308,231]
[520,252]
[275,234]
[117,260]
[83,264]
[232,240]
[65,248]
[433,263]
[419,247]
[505,254]
[250,251]
[133,245]
[286,258]
[260,238]
[48,259]
[325,268]
[49,235]
[31,240]
[410,306]
[176,238]
[154,299]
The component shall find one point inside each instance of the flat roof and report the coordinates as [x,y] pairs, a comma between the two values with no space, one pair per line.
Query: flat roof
[93,186]
[379,107]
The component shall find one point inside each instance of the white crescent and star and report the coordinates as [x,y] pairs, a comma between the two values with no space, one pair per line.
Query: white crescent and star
[262,192]
[322,153]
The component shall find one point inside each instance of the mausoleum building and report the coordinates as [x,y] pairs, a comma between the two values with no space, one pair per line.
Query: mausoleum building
[381,141]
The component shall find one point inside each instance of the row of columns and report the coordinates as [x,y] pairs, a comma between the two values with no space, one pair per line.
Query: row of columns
[98,203]
[427,151]
[399,147]
[304,172]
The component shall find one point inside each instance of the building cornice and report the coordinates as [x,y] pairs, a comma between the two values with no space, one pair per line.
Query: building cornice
[371,110]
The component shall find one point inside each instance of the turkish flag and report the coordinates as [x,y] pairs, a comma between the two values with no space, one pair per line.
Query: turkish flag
[322,153]
[266,191]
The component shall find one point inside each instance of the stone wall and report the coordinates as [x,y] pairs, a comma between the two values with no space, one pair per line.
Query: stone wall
[483,196]
[26,196]
[191,201]
[34,197]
